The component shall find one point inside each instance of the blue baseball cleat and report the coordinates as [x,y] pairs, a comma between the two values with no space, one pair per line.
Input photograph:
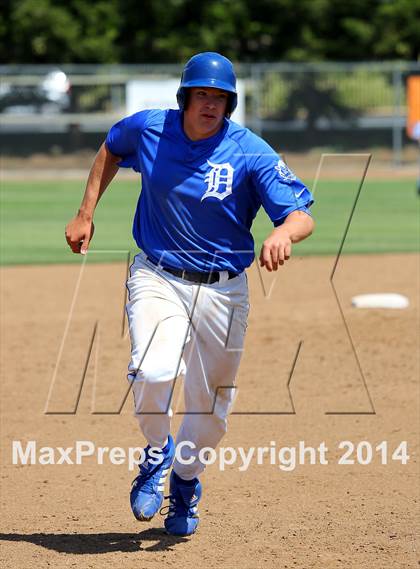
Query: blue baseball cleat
[146,494]
[182,518]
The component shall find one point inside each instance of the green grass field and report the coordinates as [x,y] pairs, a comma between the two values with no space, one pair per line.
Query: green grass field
[34,215]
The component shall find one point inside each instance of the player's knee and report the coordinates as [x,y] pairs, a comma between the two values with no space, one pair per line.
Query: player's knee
[155,372]
[224,399]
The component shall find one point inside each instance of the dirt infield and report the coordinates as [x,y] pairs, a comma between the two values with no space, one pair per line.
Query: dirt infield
[313,516]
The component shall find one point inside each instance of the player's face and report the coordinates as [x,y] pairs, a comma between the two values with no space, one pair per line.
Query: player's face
[205,112]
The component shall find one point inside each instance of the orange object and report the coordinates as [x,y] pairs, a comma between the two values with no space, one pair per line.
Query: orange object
[413,104]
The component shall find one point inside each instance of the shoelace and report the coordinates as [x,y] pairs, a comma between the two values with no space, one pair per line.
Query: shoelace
[171,507]
[178,504]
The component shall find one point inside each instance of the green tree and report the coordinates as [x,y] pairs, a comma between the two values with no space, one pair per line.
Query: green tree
[44,31]
[129,31]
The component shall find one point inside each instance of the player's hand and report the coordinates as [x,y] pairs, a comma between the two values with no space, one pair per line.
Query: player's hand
[79,232]
[276,249]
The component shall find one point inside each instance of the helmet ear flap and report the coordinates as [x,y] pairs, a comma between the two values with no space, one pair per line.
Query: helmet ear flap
[229,105]
[232,103]
[180,97]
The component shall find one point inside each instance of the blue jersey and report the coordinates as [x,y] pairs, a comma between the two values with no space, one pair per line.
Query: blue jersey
[199,198]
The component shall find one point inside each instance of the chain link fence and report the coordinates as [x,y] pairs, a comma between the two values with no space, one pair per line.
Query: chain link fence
[296,107]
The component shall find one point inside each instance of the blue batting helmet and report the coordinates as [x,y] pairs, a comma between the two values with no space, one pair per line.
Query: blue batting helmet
[209,69]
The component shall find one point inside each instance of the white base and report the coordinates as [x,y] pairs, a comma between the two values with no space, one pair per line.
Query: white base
[382,300]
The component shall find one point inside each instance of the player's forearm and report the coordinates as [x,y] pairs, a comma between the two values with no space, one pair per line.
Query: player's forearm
[101,174]
[299,225]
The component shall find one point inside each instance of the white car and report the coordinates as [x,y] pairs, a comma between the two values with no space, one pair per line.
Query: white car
[51,95]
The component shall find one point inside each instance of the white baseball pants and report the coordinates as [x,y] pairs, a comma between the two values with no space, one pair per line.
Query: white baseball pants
[182,328]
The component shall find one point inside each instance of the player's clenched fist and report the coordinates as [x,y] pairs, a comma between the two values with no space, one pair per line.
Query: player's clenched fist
[276,249]
[79,232]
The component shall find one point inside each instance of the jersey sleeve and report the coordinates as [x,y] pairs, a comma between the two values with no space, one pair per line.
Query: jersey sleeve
[124,137]
[279,189]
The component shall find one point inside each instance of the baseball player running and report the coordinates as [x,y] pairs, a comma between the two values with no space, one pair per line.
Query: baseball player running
[203,180]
